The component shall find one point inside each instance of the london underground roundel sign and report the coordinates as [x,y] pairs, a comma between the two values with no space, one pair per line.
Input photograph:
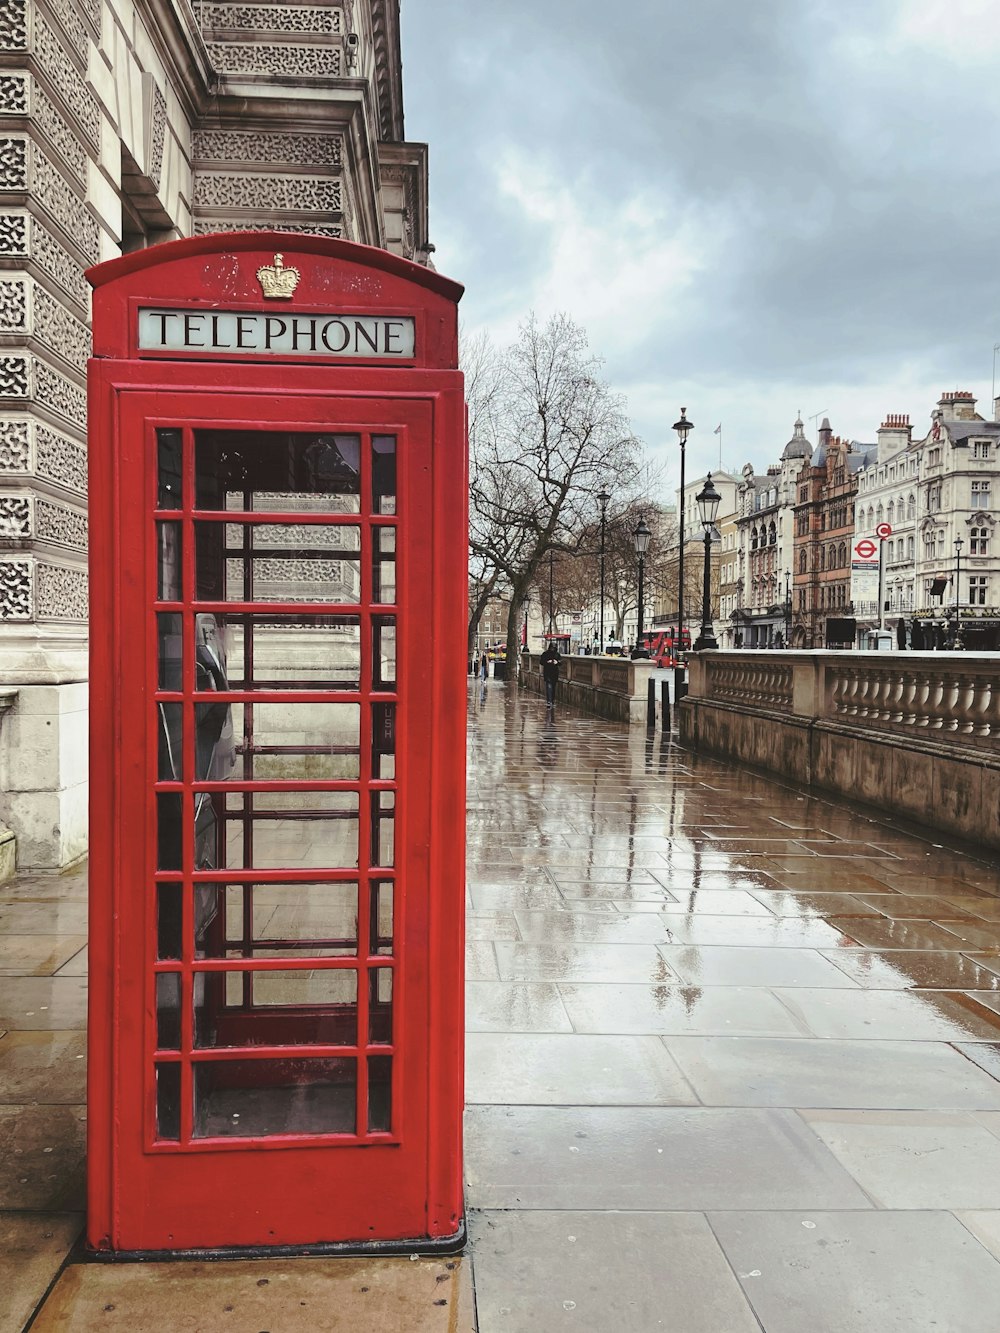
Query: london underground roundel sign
[865,549]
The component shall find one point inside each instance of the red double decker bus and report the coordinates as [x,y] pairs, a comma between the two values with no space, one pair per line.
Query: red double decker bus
[665,647]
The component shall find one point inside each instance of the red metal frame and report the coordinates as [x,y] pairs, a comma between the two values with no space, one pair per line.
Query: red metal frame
[153,1193]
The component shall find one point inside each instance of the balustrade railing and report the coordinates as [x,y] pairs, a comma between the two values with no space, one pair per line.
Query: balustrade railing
[952,697]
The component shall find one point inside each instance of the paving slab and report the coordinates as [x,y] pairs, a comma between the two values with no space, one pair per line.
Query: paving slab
[42,1158]
[985,1226]
[321,1295]
[646,1157]
[900,969]
[811,1271]
[555,1069]
[763,1071]
[43,1067]
[37,955]
[41,1003]
[509,1006]
[32,1247]
[537,1271]
[914,1159]
[678,1009]
[749,966]
[910,1015]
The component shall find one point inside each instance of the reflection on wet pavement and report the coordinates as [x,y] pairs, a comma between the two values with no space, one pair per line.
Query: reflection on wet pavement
[826,987]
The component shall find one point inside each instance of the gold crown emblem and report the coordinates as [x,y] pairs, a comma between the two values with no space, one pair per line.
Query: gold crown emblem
[275,280]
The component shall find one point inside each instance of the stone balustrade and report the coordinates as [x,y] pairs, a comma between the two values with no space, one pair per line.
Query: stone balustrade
[611,687]
[918,733]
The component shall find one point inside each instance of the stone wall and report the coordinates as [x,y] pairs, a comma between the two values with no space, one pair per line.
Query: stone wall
[917,734]
[611,687]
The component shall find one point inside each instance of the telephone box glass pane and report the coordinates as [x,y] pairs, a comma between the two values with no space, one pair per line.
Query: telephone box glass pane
[383,564]
[169,766]
[168,1011]
[259,1098]
[383,653]
[383,808]
[294,1008]
[281,920]
[379,1094]
[382,893]
[168,830]
[277,471]
[277,562]
[383,474]
[168,1101]
[297,742]
[168,921]
[380,1006]
[169,569]
[320,832]
[169,650]
[168,448]
[282,651]
[384,740]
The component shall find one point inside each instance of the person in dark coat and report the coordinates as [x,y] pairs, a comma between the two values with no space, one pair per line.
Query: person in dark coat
[550,672]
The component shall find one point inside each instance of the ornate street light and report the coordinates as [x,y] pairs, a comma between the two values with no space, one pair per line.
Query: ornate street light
[683,429]
[604,497]
[958,575]
[641,538]
[788,608]
[709,500]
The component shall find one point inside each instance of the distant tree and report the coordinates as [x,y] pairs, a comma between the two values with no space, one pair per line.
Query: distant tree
[546,435]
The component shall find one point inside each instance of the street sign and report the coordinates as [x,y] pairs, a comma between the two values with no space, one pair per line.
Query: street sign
[865,549]
[884,530]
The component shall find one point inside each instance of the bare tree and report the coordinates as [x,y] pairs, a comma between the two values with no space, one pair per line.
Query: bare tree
[546,436]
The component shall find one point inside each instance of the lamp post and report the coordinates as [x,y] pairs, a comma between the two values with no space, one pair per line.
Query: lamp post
[604,497]
[641,538]
[683,427]
[551,626]
[958,575]
[709,500]
[788,608]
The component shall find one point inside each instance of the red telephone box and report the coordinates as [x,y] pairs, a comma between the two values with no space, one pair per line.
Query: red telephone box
[278,519]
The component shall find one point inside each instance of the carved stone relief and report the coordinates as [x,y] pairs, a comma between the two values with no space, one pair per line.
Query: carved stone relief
[258,193]
[14,25]
[13,94]
[155,120]
[248,224]
[15,446]
[59,134]
[68,15]
[276,58]
[14,379]
[225,146]
[13,306]
[273,18]
[62,593]
[15,516]
[60,459]
[49,188]
[56,523]
[49,255]
[13,164]
[60,330]
[15,590]
[60,395]
[66,80]
[14,235]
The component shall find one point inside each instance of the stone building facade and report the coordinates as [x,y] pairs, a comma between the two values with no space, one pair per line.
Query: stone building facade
[124,123]
[822,612]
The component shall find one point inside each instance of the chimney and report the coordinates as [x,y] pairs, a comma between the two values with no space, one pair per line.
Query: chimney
[825,435]
[893,435]
[959,405]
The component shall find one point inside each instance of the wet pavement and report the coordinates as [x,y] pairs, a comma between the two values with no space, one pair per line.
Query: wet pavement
[733,1064]
[733,1055]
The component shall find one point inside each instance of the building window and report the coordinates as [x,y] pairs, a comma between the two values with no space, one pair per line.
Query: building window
[803,562]
[929,545]
[981,493]
[977,590]
[803,493]
[979,541]
[980,448]
[933,457]
[909,548]
[934,498]
[911,506]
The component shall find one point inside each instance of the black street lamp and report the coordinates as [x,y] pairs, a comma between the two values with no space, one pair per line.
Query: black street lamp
[604,497]
[683,429]
[551,626]
[788,608]
[641,538]
[709,500]
[958,575]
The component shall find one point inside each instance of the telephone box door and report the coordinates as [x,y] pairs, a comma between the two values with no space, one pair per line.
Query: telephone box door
[281,969]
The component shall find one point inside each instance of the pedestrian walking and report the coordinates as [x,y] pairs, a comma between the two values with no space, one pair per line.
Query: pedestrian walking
[484,666]
[550,673]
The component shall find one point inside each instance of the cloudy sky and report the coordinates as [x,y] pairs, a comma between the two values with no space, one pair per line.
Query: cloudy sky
[754,207]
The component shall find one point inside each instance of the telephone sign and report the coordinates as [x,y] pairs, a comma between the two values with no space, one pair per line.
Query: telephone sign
[278,493]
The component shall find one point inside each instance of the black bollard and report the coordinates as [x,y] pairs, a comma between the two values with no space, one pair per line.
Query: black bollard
[650,704]
[665,705]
